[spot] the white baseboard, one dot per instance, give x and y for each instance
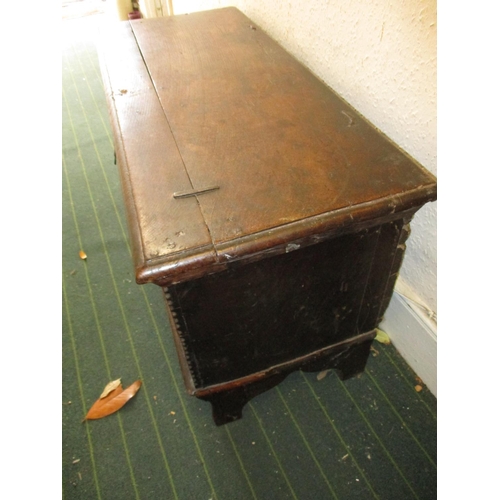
(415, 338)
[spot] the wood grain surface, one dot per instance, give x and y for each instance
(227, 107)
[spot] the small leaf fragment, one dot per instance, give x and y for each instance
(113, 401)
(82, 255)
(321, 375)
(75, 461)
(110, 387)
(382, 337)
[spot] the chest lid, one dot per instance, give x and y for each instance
(228, 145)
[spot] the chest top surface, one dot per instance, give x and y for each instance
(225, 140)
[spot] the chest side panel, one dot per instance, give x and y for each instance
(255, 316)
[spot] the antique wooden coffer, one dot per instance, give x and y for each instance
(271, 213)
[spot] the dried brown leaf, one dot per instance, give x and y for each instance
(322, 375)
(82, 255)
(110, 387)
(113, 401)
(101, 402)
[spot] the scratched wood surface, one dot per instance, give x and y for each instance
(233, 110)
(149, 161)
(250, 318)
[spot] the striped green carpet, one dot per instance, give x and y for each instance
(370, 437)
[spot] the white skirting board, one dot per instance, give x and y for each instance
(415, 338)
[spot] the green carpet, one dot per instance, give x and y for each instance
(369, 437)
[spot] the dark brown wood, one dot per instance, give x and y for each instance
(256, 315)
(227, 405)
(273, 214)
(151, 166)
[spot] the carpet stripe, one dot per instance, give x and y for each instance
(177, 389)
(106, 253)
(122, 310)
(80, 387)
(318, 465)
(240, 462)
(398, 415)
(96, 318)
(103, 170)
(407, 382)
(341, 439)
(273, 451)
(105, 123)
(149, 309)
(375, 435)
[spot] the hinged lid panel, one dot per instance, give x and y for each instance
(151, 167)
(249, 119)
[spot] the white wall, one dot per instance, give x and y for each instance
(380, 55)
